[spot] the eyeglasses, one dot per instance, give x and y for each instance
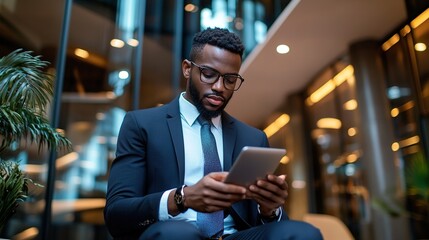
(209, 75)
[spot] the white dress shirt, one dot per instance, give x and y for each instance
(194, 160)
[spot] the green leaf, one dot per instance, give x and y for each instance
(417, 175)
(25, 90)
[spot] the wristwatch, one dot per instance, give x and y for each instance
(274, 216)
(179, 199)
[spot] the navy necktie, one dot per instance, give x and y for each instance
(210, 224)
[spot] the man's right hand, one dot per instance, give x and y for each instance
(211, 194)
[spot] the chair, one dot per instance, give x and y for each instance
(332, 228)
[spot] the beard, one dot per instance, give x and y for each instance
(198, 102)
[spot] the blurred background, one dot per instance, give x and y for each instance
(342, 85)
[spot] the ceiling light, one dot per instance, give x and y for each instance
(285, 159)
(420, 47)
(351, 132)
(394, 112)
(117, 43)
(395, 146)
(282, 49)
(81, 53)
(330, 85)
(350, 105)
(409, 141)
(406, 106)
(389, 43)
(405, 30)
(321, 92)
(420, 19)
(277, 125)
(133, 42)
(123, 74)
(342, 76)
(331, 123)
(351, 158)
(191, 7)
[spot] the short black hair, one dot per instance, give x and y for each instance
(218, 37)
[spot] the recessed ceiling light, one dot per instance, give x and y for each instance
(191, 8)
(283, 49)
(133, 42)
(420, 47)
(117, 43)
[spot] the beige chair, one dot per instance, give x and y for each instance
(331, 227)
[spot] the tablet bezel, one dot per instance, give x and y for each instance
(254, 163)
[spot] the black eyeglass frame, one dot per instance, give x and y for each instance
(236, 86)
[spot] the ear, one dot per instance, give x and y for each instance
(186, 68)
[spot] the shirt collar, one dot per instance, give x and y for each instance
(190, 113)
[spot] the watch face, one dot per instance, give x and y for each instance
(178, 198)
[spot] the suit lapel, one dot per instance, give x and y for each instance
(175, 126)
(229, 137)
(240, 210)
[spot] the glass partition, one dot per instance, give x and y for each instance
(407, 89)
(332, 109)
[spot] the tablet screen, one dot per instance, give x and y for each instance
(254, 163)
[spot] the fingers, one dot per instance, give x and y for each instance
(219, 186)
(218, 176)
(260, 194)
(270, 192)
(212, 194)
(213, 201)
(280, 181)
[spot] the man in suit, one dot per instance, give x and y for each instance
(157, 187)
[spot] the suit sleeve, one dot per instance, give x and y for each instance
(128, 209)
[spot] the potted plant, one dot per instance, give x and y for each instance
(25, 91)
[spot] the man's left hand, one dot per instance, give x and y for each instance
(270, 193)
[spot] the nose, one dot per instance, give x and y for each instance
(218, 85)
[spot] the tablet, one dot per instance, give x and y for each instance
(254, 163)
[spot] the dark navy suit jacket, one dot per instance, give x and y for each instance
(150, 159)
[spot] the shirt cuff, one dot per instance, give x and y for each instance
(163, 206)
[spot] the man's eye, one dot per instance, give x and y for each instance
(231, 79)
(209, 73)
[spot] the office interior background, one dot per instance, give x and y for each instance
(352, 112)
